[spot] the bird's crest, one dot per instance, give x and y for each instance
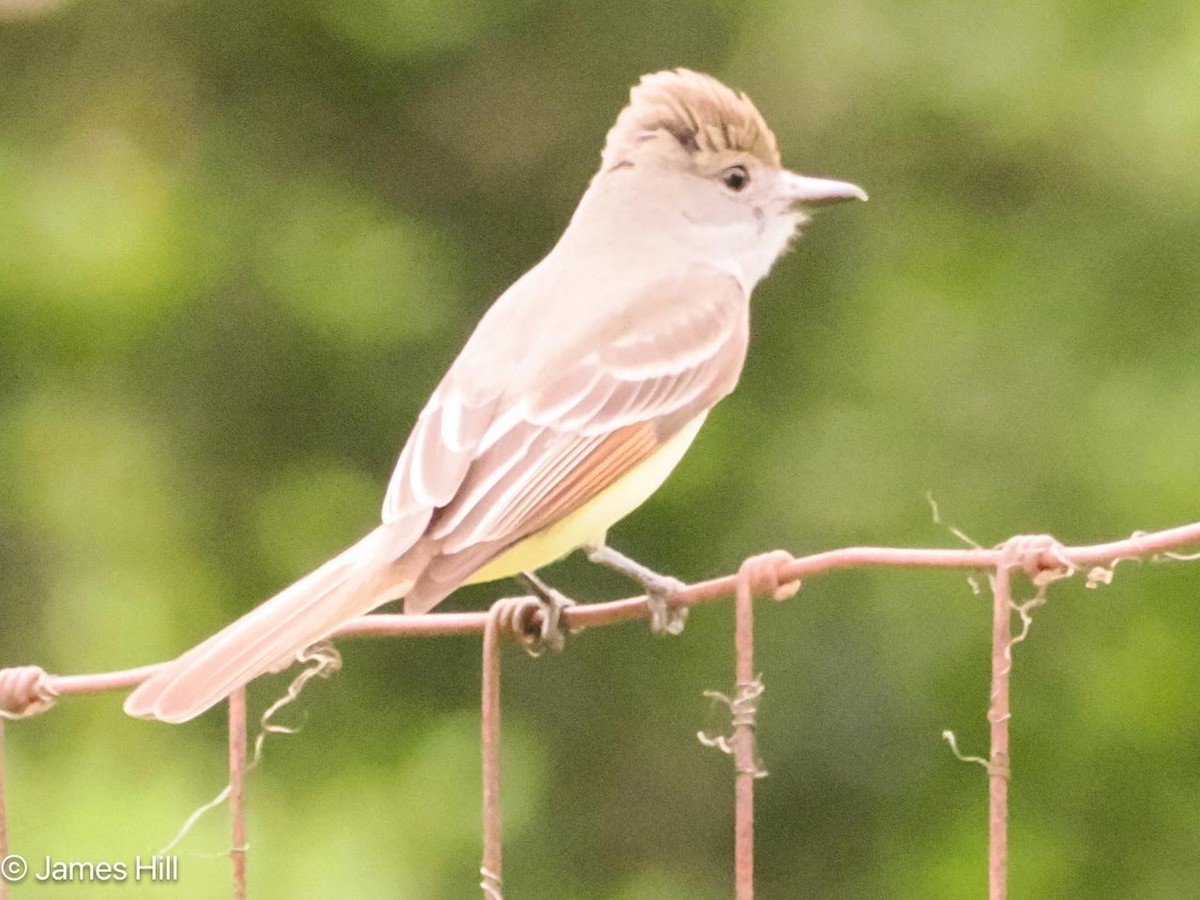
(702, 114)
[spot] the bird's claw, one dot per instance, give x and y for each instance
(553, 634)
(552, 602)
(666, 618)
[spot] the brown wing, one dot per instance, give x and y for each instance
(594, 416)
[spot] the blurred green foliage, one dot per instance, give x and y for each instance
(239, 242)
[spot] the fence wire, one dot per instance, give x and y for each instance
(29, 690)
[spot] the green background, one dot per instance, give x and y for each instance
(239, 242)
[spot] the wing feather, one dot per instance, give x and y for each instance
(605, 412)
(500, 462)
(438, 454)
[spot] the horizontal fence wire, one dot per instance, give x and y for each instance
(29, 690)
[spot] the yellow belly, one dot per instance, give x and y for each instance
(589, 523)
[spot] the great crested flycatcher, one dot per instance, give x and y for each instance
(578, 392)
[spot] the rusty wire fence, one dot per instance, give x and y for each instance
(1038, 560)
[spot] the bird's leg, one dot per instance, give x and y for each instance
(665, 618)
(553, 604)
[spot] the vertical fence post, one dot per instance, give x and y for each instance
(519, 617)
(491, 869)
(998, 715)
(3, 815)
(744, 751)
(237, 790)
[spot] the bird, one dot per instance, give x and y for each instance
(575, 396)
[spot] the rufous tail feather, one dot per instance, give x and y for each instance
(269, 637)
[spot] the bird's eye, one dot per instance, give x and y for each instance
(735, 177)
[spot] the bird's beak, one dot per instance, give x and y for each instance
(808, 191)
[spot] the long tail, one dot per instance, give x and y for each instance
(269, 636)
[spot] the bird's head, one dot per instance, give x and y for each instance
(703, 154)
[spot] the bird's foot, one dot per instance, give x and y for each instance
(666, 618)
(553, 634)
